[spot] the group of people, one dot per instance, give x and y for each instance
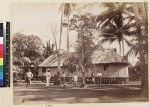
(97, 78)
(29, 75)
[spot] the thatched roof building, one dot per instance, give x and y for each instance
(106, 56)
(113, 67)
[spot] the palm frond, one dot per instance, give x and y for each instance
(110, 40)
(129, 26)
(108, 14)
(129, 9)
(128, 42)
(109, 5)
(67, 8)
(133, 50)
(129, 19)
(130, 33)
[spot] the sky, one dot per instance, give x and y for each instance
(38, 19)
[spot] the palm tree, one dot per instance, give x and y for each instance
(140, 35)
(60, 37)
(112, 23)
(81, 60)
(54, 32)
(141, 46)
(67, 10)
(48, 49)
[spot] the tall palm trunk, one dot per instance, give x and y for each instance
(120, 47)
(83, 76)
(60, 37)
(123, 47)
(83, 66)
(122, 36)
(68, 33)
(122, 32)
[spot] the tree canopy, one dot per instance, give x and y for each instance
(29, 46)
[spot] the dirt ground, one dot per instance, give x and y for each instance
(38, 93)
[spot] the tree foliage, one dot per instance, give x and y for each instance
(48, 49)
(138, 30)
(84, 24)
(117, 22)
(29, 46)
(135, 72)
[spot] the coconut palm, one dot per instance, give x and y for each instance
(81, 60)
(113, 16)
(141, 46)
(48, 49)
(116, 23)
(67, 10)
(60, 37)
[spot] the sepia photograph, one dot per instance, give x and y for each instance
(71, 53)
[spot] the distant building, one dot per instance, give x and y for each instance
(112, 66)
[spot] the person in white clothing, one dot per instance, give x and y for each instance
(28, 77)
(63, 79)
(48, 76)
(99, 78)
(75, 79)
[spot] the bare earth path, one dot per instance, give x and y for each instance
(93, 94)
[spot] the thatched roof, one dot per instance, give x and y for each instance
(99, 57)
(52, 61)
(106, 56)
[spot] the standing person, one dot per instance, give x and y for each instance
(20, 74)
(93, 78)
(99, 78)
(57, 78)
(48, 76)
(63, 79)
(75, 79)
(28, 76)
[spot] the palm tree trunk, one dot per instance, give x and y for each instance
(83, 67)
(123, 47)
(68, 33)
(83, 77)
(60, 37)
(120, 47)
(122, 36)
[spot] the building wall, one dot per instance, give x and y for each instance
(113, 71)
(54, 71)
